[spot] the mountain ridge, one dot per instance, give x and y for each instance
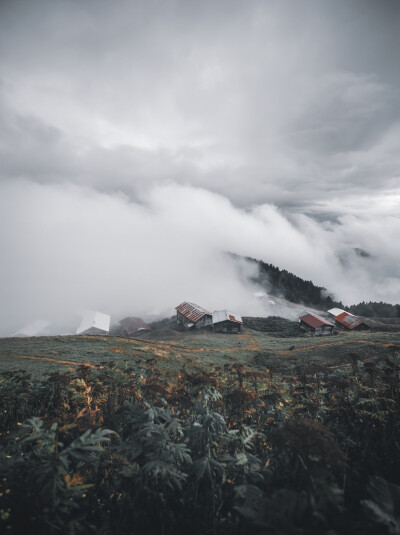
(279, 282)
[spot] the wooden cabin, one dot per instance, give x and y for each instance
(134, 326)
(316, 325)
(226, 322)
(192, 316)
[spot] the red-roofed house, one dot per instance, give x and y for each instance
(133, 326)
(316, 325)
(192, 316)
(348, 321)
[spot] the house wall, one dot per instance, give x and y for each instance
(323, 330)
(363, 327)
(327, 329)
(181, 319)
(134, 333)
(306, 327)
(227, 327)
(202, 322)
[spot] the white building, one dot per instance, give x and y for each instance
(94, 323)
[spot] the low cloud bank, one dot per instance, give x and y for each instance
(66, 248)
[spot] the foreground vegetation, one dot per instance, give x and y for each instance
(275, 446)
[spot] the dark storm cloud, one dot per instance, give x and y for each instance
(288, 95)
(269, 127)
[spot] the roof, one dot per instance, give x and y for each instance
(335, 311)
(91, 319)
(132, 325)
(348, 320)
(191, 311)
(226, 315)
(315, 321)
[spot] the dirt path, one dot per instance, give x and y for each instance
(48, 359)
(252, 345)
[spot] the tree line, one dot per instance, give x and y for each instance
(282, 283)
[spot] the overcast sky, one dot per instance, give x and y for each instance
(139, 140)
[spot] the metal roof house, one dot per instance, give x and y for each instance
(95, 323)
(192, 316)
(131, 326)
(350, 322)
(225, 321)
(316, 325)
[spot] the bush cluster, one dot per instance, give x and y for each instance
(233, 450)
(275, 325)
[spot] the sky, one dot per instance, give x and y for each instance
(141, 140)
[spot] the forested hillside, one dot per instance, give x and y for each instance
(282, 283)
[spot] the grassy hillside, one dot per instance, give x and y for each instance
(44, 355)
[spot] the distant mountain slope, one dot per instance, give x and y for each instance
(281, 283)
